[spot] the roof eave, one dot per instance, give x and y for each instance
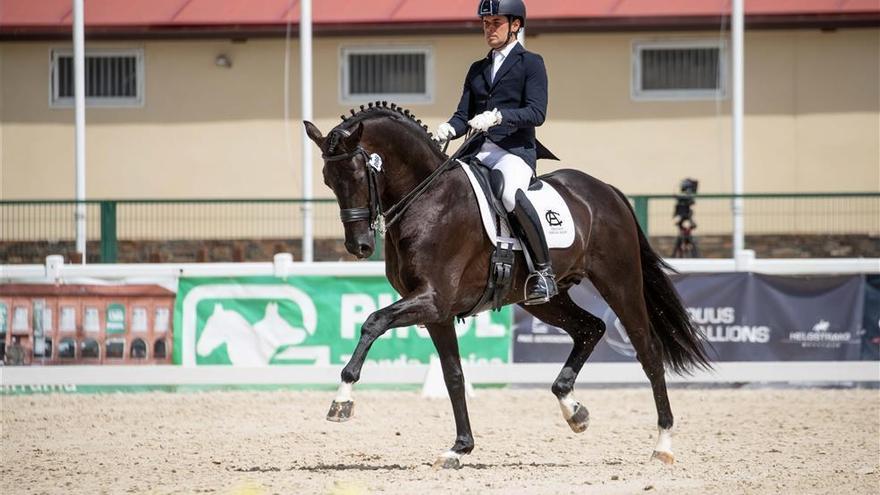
(535, 27)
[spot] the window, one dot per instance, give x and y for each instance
(92, 319)
(67, 321)
(20, 323)
(138, 349)
(403, 74)
(90, 349)
(160, 320)
(139, 319)
(43, 348)
(67, 348)
(114, 78)
(4, 310)
(685, 70)
(115, 348)
(159, 349)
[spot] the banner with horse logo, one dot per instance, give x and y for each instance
(259, 321)
(742, 316)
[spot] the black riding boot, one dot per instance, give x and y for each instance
(540, 284)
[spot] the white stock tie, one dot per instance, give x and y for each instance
(497, 60)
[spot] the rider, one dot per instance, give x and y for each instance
(505, 96)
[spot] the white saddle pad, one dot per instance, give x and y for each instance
(555, 215)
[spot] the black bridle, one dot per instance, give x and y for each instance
(373, 212)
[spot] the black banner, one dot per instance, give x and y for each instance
(743, 317)
(871, 320)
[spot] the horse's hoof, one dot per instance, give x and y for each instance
(580, 420)
(664, 457)
(340, 411)
(445, 462)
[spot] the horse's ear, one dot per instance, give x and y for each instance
(313, 133)
(355, 138)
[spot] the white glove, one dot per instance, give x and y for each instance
(445, 132)
(485, 120)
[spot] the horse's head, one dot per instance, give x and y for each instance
(347, 173)
(221, 327)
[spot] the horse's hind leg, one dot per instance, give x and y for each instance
(585, 330)
(446, 342)
(623, 292)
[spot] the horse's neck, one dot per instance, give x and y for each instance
(405, 172)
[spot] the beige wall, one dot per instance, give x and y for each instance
(813, 117)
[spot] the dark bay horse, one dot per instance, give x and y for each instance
(437, 258)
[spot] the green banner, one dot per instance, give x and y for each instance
(4, 312)
(255, 321)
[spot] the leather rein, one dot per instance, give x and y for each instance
(379, 220)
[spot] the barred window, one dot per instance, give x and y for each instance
(692, 70)
(113, 78)
(402, 74)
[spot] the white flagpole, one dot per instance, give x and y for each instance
(305, 43)
(79, 98)
(738, 114)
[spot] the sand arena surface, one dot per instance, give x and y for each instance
(726, 441)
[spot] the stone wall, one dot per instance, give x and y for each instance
(782, 246)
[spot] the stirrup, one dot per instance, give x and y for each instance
(543, 289)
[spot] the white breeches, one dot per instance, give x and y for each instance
(517, 173)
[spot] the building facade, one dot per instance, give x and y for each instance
(179, 114)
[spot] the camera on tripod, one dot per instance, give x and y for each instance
(683, 203)
(685, 243)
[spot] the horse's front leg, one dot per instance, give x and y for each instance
(446, 342)
(417, 307)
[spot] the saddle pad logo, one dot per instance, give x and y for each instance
(553, 219)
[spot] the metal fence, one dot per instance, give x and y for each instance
(119, 230)
(785, 214)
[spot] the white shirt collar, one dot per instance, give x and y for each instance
(504, 52)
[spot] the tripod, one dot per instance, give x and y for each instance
(685, 243)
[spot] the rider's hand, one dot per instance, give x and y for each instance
(485, 120)
(445, 132)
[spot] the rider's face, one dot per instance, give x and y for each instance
(496, 29)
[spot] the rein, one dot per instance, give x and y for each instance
(373, 213)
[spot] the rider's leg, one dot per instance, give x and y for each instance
(541, 284)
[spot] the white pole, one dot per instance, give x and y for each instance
(305, 48)
(738, 92)
(79, 98)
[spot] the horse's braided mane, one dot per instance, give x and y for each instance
(385, 109)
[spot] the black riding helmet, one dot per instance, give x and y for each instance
(513, 9)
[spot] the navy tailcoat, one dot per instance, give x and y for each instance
(519, 92)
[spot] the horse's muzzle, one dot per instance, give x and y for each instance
(361, 249)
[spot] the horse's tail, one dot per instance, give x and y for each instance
(671, 326)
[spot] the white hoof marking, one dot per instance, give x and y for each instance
(568, 404)
(343, 394)
(664, 441)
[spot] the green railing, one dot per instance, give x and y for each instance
(233, 230)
